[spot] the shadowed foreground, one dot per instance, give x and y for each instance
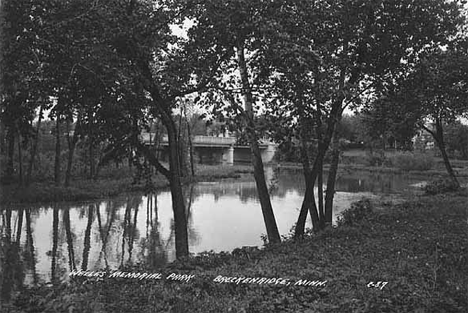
(419, 247)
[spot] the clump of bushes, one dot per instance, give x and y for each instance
(441, 186)
(375, 158)
(356, 213)
(408, 161)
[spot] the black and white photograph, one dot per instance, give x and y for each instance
(234, 156)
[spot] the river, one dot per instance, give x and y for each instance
(137, 228)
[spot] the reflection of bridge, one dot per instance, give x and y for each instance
(211, 149)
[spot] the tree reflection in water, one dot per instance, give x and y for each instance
(152, 247)
(55, 225)
(130, 231)
(16, 260)
(69, 234)
(87, 239)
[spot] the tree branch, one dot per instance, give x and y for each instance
(428, 130)
(152, 159)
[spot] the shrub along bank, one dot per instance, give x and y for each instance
(411, 257)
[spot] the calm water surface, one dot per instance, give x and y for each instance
(43, 243)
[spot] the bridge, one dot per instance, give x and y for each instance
(217, 150)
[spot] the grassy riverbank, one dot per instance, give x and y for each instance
(111, 182)
(395, 162)
(419, 247)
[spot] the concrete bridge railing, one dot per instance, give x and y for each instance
(223, 149)
(149, 138)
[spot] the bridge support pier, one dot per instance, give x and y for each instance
(228, 156)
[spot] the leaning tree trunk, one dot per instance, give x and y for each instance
(259, 174)
(441, 143)
(308, 203)
(311, 178)
(334, 117)
(438, 136)
(173, 174)
(163, 109)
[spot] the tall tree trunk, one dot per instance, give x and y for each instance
(259, 174)
(190, 143)
(192, 165)
(57, 152)
(331, 181)
(181, 147)
(34, 148)
(178, 206)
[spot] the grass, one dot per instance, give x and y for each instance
(419, 247)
